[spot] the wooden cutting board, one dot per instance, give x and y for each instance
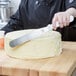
(62, 65)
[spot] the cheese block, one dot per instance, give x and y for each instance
(47, 45)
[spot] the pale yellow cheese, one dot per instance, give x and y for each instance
(47, 45)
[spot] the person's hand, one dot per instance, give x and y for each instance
(63, 18)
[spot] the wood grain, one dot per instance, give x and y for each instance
(62, 65)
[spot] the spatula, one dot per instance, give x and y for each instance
(34, 34)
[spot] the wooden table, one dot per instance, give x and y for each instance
(63, 65)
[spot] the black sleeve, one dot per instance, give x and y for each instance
(70, 3)
(15, 22)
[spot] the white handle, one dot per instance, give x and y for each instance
(71, 18)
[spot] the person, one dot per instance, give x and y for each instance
(33, 14)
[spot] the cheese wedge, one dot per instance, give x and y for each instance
(47, 45)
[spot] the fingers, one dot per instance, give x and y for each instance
(62, 18)
(66, 20)
(55, 19)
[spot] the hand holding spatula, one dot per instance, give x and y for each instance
(34, 34)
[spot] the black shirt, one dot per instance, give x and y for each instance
(36, 13)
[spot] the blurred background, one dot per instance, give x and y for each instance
(7, 8)
(14, 5)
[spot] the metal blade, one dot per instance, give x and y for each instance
(27, 37)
